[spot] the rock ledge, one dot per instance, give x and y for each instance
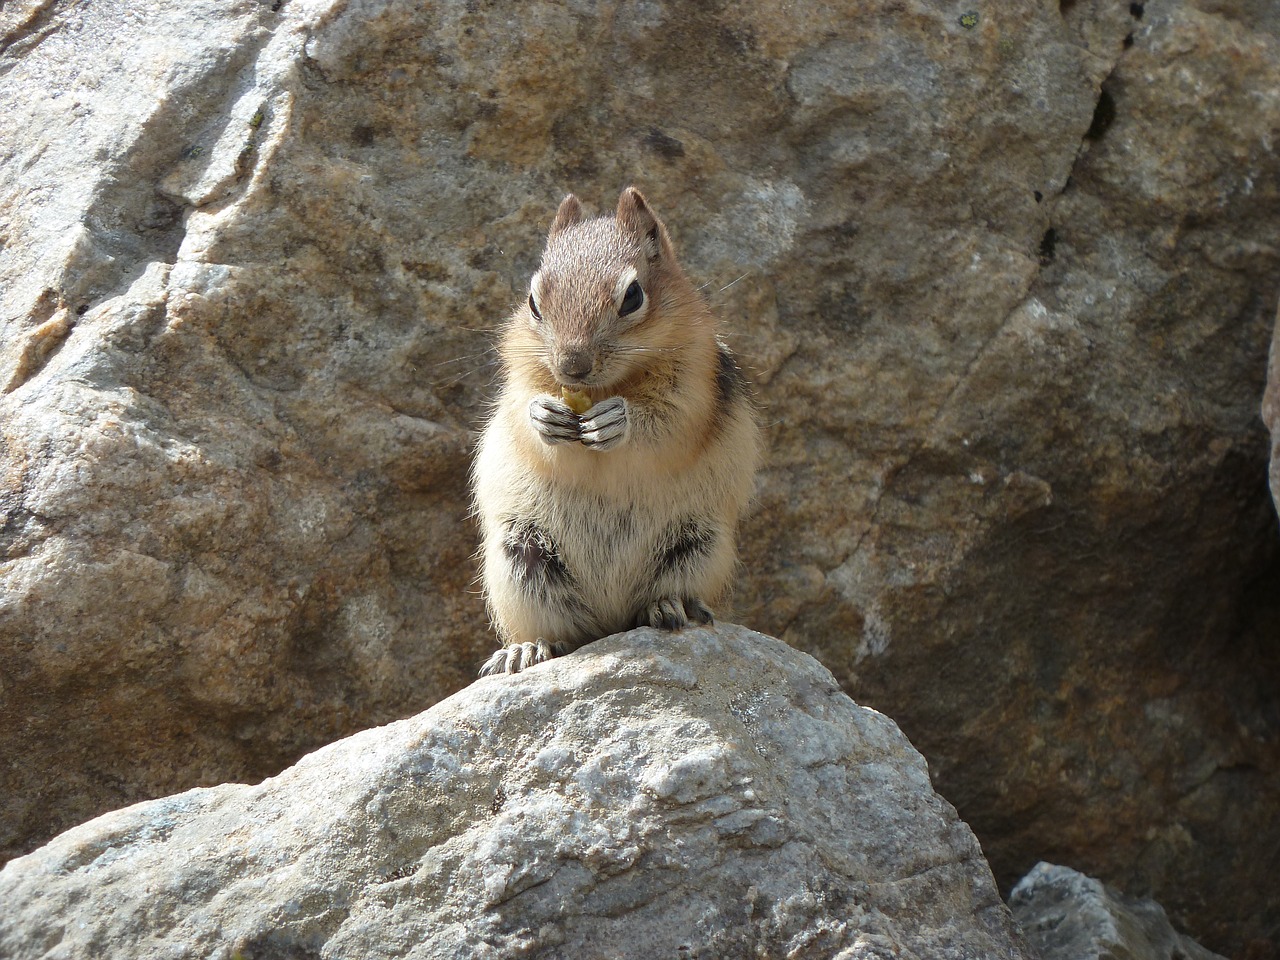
(711, 793)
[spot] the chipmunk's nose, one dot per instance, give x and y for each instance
(574, 365)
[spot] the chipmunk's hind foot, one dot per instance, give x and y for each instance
(698, 612)
(675, 613)
(521, 656)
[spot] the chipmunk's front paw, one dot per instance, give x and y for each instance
(606, 424)
(675, 613)
(520, 656)
(553, 420)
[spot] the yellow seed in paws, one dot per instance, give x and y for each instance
(579, 401)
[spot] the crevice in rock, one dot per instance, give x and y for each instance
(131, 221)
(25, 36)
(1104, 115)
(403, 871)
(1048, 247)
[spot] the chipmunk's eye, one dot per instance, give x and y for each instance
(632, 300)
(533, 308)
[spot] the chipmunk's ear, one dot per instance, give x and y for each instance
(570, 212)
(635, 218)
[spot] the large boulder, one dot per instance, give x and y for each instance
(1004, 278)
(239, 390)
(708, 794)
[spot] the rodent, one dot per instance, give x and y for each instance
(625, 515)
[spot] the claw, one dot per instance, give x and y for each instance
(521, 656)
(674, 613)
(665, 614)
(553, 421)
(698, 612)
(606, 425)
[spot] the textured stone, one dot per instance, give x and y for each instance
(234, 454)
(1271, 412)
(1068, 916)
(1005, 288)
(1073, 552)
(711, 794)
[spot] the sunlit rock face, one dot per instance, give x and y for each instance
(1004, 279)
(711, 794)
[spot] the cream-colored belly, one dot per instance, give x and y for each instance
(608, 519)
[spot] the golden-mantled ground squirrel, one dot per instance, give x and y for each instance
(624, 515)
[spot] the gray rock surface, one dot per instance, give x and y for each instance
(1068, 916)
(1005, 285)
(709, 794)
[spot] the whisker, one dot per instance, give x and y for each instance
(470, 356)
(637, 350)
(640, 348)
(455, 380)
(703, 286)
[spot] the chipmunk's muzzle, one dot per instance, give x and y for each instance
(574, 366)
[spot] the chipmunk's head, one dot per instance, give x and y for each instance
(603, 291)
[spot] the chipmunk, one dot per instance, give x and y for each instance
(626, 514)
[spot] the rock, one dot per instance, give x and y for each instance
(1271, 412)
(1005, 284)
(1068, 916)
(235, 425)
(1021, 416)
(707, 794)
